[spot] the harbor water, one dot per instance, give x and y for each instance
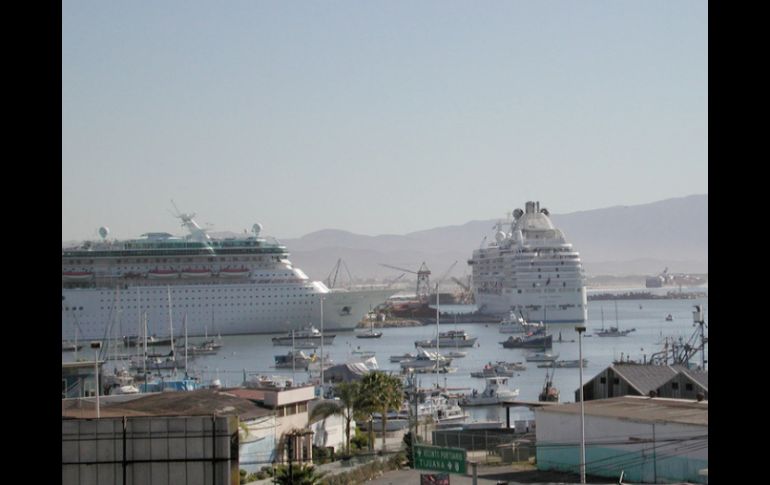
(254, 354)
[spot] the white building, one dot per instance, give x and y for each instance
(648, 439)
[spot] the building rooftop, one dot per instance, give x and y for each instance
(203, 402)
(640, 408)
(646, 378)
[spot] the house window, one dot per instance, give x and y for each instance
(675, 386)
(688, 387)
(603, 380)
(616, 381)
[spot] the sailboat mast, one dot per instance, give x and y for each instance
(438, 338)
(144, 339)
(185, 343)
(170, 324)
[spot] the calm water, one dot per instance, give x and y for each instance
(254, 353)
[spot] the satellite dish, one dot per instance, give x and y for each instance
(499, 236)
(103, 232)
(518, 213)
(545, 211)
(257, 228)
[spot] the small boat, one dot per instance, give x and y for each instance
(300, 360)
(532, 341)
(669, 318)
(234, 272)
(399, 358)
(566, 364)
(549, 393)
(613, 331)
(77, 275)
(396, 421)
(201, 349)
(309, 334)
(363, 354)
(541, 357)
(499, 369)
(196, 273)
(133, 341)
(452, 338)
(517, 324)
(495, 392)
(371, 333)
(455, 354)
(162, 274)
(426, 360)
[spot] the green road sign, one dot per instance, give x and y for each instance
(450, 460)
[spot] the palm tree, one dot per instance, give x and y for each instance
(347, 392)
(381, 392)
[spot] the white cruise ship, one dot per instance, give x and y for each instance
(243, 285)
(531, 270)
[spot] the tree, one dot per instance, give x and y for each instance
(348, 394)
(381, 392)
(300, 475)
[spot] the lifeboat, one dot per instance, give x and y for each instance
(162, 274)
(196, 273)
(77, 275)
(234, 272)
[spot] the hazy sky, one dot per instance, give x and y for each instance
(377, 117)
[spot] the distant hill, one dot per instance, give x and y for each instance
(621, 240)
(640, 239)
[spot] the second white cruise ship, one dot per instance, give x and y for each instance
(530, 269)
(242, 285)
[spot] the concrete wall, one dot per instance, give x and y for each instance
(158, 451)
(257, 449)
(615, 445)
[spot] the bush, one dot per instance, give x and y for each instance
(360, 441)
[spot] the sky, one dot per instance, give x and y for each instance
(376, 117)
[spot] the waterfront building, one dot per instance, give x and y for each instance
(651, 440)
(673, 381)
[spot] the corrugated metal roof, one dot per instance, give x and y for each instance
(645, 378)
(192, 403)
(697, 375)
(639, 408)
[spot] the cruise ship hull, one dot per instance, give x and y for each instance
(546, 308)
(232, 309)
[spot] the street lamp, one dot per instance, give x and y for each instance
(96, 345)
(580, 330)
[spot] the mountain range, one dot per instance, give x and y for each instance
(619, 240)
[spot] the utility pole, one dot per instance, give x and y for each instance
(580, 330)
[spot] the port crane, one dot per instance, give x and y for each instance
(423, 280)
(331, 282)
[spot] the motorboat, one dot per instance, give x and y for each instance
(614, 332)
(293, 359)
(399, 358)
(495, 392)
(452, 338)
(499, 369)
(426, 360)
(669, 318)
(541, 357)
(564, 364)
(516, 324)
(531, 341)
(309, 334)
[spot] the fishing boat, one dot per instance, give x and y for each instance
(495, 392)
(309, 334)
(529, 342)
(669, 318)
(549, 392)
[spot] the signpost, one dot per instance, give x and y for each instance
(447, 460)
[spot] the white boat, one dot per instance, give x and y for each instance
(532, 269)
(399, 358)
(516, 324)
(251, 275)
(425, 359)
(567, 364)
(495, 392)
(541, 357)
(309, 334)
(499, 369)
(456, 354)
(452, 338)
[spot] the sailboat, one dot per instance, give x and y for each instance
(614, 331)
(372, 333)
(456, 353)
